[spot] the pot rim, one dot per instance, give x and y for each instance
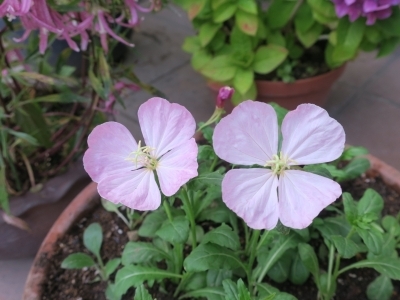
(89, 197)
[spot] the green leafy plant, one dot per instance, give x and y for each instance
(238, 41)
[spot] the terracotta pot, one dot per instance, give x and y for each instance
(89, 198)
(39, 210)
(289, 95)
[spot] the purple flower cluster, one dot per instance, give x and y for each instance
(371, 9)
(89, 19)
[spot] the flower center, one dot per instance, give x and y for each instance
(143, 156)
(279, 163)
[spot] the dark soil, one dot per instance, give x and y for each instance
(76, 284)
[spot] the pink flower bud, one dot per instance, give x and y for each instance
(225, 93)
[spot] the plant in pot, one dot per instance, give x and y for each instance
(252, 208)
(289, 52)
(47, 107)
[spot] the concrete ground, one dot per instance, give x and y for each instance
(366, 101)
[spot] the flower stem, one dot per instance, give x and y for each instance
(214, 163)
(330, 268)
(253, 251)
(167, 210)
(187, 207)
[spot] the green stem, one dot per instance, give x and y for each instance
(263, 238)
(214, 163)
(246, 238)
(187, 206)
(167, 210)
(330, 267)
(185, 277)
(253, 252)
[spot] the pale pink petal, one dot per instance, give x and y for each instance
(109, 147)
(252, 195)
(136, 189)
(249, 135)
(310, 136)
(177, 167)
(303, 195)
(165, 125)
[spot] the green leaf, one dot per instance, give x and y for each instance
(372, 238)
(133, 276)
(32, 122)
(219, 69)
(152, 223)
(215, 277)
(196, 281)
(211, 257)
(279, 272)
(142, 252)
(387, 46)
(210, 178)
(391, 25)
(195, 7)
(319, 170)
(251, 94)
(346, 247)
(352, 152)
(355, 168)
(350, 208)
(266, 290)
(276, 38)
(381, 288)
(221, 214)
(279, 13)
(310, 260)
(391, 225)
(268, 58)
(191, 44)
(299, 273)
(280, 112)
(371, 203)
(207, 32)
(96, 84)
(200, 59)
(323, 7)
(349, 37)
(4, 201)
(223, 236)
(303, 19)
(249, 6)
(385, 265)
(284, 243)
(240, 41)
(243, 80)
(247, 22)
(93, 238)
(310, 37)
(244, 293)
(230, 288)
(175, 232)
(211, 293)
(224, 12)
(111, 266)
(142, 294)
(77, 261)
(332, 226)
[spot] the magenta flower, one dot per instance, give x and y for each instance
(124, 169)
(224, 94)
(249, 136)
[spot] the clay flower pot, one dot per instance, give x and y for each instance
(89, 198)
(39, 210)
(289, 95)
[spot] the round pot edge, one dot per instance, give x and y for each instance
(37, 273)
(83, 202)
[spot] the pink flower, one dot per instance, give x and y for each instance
(249, 136)
(225, 94)
(124, 169)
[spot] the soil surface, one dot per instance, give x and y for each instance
(77, 284)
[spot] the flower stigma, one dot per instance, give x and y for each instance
(279, 163)
(143, 156)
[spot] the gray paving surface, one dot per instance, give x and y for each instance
(366, 101)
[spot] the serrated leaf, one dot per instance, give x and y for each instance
(175, 232)
(223, 236)
(243, 80)
(247, 22)
(346, 247)
(142, 294)
(211, 257)
(111, 266)
(230, 288)
(384, 265)
(152, 223)
(381, 288)
(268, 58)
(370, 203)
(141, 252)
(77, 261)
(93, 238)
(133, 276)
